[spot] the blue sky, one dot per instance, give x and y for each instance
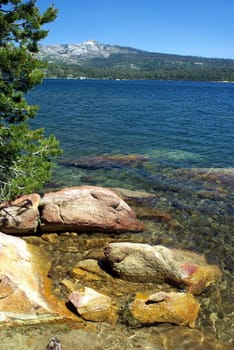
(186, 27)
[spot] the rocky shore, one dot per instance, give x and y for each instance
(80, 265)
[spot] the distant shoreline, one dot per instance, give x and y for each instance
(117, 79)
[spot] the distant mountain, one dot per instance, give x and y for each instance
(93, 59)
(77, 53)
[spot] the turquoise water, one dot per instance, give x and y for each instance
(172, 139)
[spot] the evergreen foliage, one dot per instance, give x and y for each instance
(26, 154)
(207, 73)
(143, 65)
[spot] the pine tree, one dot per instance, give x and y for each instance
(26, 155)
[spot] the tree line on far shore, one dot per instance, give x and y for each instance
(200, 73)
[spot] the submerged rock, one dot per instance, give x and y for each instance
(110, 337)
(20, 216)
(153, 214)
(179, 308)
(107, 161)
(89, 270)
(94, 306)
(144, 263)
(134, 196)
(86, 208)
(214, 175)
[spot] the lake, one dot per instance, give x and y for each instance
(177, 123)
(173, 139)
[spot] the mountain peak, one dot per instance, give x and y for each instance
(91, 42)
(75, 53)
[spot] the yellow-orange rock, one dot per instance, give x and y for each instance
(25, 290)
(178, 308)
(94, 306)
(89, 270)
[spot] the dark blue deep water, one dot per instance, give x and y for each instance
(179, 123)
(172, 139)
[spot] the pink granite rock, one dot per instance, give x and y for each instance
(144, 263)
(86, 208)
(20, 216)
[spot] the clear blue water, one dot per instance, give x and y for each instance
(177, 123)
(185, 132)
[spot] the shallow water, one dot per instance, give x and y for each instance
(185, 133)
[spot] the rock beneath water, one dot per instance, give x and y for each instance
(86, 208)
(89, 270)
(94, 306)
(111, 337)
(178, 308)
(215, 175)
(153, 214)
(107, 161)
(20, 216)
(144, 263)
(134, 196)
(25, 291)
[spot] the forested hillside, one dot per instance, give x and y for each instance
(94, 60)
